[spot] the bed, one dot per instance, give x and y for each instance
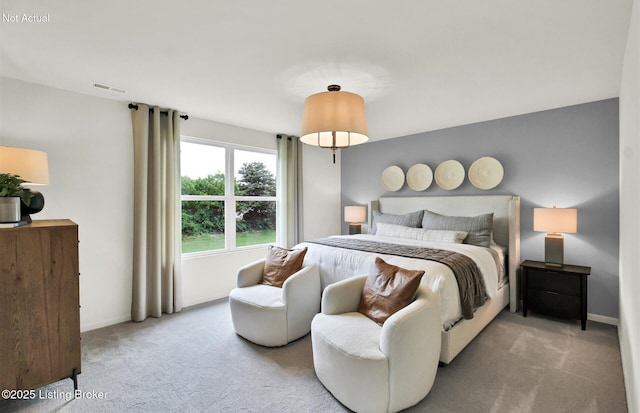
(336, 263)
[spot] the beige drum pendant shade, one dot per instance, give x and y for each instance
(334, 119)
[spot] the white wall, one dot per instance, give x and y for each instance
(321, 192)
(629, 327)
(89, 143)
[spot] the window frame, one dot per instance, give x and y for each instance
(229, 198)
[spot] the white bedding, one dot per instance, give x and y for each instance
(336, 264)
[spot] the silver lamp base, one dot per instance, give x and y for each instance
(554, 250)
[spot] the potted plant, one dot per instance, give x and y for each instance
(11, 192)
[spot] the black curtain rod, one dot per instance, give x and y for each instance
(163, 112)
(280, 136)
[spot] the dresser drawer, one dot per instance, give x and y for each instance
(553, 281)
(554, 304)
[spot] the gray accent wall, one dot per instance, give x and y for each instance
(566, 157)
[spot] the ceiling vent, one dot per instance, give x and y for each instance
(109, 88)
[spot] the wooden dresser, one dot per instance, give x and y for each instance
(39, 304)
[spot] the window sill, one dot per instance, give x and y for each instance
(212, 253)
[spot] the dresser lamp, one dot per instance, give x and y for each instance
(31, 166)
(354, 215)
(555, 221)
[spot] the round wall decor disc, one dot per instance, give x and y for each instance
(486, 173)
(449, 174)
(392, 178)
(419, 177)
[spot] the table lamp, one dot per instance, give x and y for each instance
(555, 221)
(33, 167)
(354, 215)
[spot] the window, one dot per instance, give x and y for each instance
(228, 196)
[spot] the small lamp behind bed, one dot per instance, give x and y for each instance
(555, 221)
(354, 215)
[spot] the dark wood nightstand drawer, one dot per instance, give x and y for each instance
(550, 303)
(553, 281)
(556, 291)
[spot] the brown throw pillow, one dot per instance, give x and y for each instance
(281, 263)
(390, 289)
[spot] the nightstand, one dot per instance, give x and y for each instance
(555, 291)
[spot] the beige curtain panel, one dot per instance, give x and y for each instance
(289, 189)
(157, 277)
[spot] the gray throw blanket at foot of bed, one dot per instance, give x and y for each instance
(473, 293)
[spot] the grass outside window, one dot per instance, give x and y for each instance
(208, 242)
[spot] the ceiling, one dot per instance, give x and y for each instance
(419, 64)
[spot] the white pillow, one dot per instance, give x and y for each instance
(391, 230)
(400, 231)
(441, 235)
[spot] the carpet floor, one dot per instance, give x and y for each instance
(194, 362)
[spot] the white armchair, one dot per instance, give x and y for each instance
(272, 316)
(372, 368)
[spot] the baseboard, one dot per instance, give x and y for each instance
(106, 323)
(602, 319)
(630, 371)
(201, 300)
(125, 318)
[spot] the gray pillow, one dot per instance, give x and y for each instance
(479, 228)
(412, 219)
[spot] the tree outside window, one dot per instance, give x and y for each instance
(206, 193)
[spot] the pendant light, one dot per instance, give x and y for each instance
(334, 120)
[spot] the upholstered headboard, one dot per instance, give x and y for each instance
(506, 220)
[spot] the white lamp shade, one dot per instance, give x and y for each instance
(558, 220)
(334, 111)
(29, 164)
(355, 214)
